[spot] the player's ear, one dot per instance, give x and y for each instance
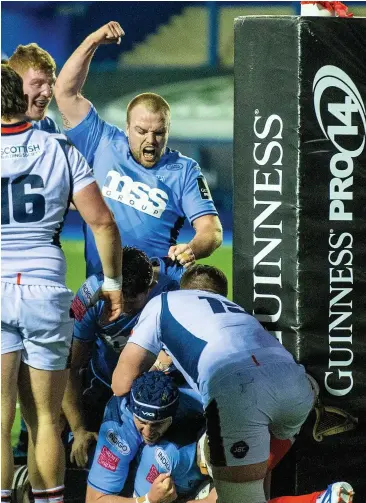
(153, 283)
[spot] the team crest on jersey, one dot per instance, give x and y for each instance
(163, 459)
(138, 195)
(174, 167)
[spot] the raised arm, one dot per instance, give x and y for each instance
(72, 105)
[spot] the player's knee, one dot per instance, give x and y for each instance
(229, 492)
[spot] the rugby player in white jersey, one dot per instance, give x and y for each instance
(38, 71)
(41, 174)
(250, 385)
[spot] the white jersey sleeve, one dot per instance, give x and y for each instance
(80, 171)
(146, 333)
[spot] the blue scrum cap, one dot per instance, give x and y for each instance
(154, 396)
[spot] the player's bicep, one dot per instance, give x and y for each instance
(113, 455)
(197, 199)
(73, 109)
(92, 207)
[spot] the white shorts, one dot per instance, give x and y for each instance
(249, 403)
(35, 320)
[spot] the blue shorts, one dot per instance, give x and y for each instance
(35, 320)
(249, 403)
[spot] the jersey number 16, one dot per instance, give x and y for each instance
(26, 207)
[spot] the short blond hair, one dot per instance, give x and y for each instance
(153, 102)
(31, 56)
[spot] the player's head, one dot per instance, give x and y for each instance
(137, 272)
(38, 71)
(154, 399)
(13, 102)
(204, 277)
(148, 122)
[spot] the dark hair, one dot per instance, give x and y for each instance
(13, 101)
(204, 277)
(137, 272)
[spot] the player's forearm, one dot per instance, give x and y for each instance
(109, 246)
(71, 403)
(74, 72)
(93, 496)
(205, 242)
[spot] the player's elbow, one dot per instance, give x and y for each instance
(119, 387)
(93, 496)
(217, 235)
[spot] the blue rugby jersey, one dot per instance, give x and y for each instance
(117, 446)
(119, 442)
(168, 457)
(110, 339)
(149, 204)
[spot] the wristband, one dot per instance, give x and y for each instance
(143, 499)
(110, 284)
(161, 366)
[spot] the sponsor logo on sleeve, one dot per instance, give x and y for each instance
(108, 460)
(163, 459)
(203, 188)
(115, 440)
(153, 474)
(78, 309)
(239, 449)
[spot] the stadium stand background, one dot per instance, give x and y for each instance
(182, 50)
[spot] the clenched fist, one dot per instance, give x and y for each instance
(183, 254)
(162, 489)
(110, 33)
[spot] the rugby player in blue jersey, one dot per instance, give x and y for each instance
(145, 415)
(150, 188)
(96, 345)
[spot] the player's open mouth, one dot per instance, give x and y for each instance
(148, 153)
(41, 105)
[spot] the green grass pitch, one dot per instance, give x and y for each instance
(74, 252)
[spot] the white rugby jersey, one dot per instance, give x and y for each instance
(40, 172)
(204, 333)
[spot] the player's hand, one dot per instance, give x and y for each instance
(183, 254)
(113, 305)
(110, 33)
(79, 451)
(162, 489)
